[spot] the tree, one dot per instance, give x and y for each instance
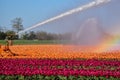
(2, 35)
(25, 36)
(1, 30)
(17, 24)
(41, 35)
(32, 35)
(11, 35)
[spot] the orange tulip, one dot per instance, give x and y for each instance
(59, 51)
(0, 49)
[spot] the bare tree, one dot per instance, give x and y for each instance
(17, 24)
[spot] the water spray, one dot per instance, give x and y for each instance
(79, 9)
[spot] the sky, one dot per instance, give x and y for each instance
(35, 11)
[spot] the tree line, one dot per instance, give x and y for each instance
(32, 35)
(39, 35)
(42, 35)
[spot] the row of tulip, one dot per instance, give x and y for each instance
(64, 72)
(57, 62)
(60, 51)
(90, 67)
(63, 62)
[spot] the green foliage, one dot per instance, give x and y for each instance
(2, 77)
(62, 77)
(72, 78)
(47, 78)
(2, 35)
(81, 77)
(20, 42)
(40, 77)
(112, 78)
(21, 77)
(9, 34)
(59, 77)
(95, 78)
(9, 78)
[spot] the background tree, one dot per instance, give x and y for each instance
(2, 35)
(17, 24)
(41, 35)
(25, 36)
(1, 29)
(11, 34)
(32, 35)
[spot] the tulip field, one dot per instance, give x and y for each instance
(59, 62)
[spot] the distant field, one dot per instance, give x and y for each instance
(20, 42)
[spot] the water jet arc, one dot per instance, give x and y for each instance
(79, 9)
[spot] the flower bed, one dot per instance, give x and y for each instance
(59, 62)
(62, 67)
(60, 51)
